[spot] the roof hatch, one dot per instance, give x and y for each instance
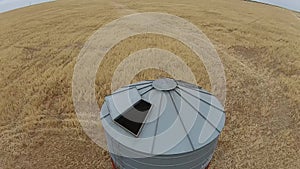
(133, 119)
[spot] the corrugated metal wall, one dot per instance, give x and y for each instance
(198, 159)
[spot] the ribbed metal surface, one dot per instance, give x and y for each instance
(189, 117)
(197, 159)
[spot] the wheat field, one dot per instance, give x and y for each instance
(259, 46)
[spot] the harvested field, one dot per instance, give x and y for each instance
(258, 45)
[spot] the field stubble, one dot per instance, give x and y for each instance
(258, 45)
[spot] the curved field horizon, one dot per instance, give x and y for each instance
(257, 44)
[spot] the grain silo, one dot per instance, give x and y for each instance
(165, 123)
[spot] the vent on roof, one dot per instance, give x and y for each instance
(133, 119)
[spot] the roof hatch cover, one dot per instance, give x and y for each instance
(133, 119)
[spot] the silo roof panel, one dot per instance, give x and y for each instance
(185, 113)
(170, 127)
(203, 96)
(104, 111)
(152, 119)
(121, 101)
(188, 85)
(145, 90)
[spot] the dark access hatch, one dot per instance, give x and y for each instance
(133, 119)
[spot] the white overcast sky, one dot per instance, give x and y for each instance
(290, 4)
(6, 5)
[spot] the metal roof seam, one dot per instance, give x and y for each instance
(105, 116)
(156, 125)
(104, 103)
(200, 90)
(147, 91)
(202, 100)
(148, 82)
(121, 91)
(198, 112)
(187, 134)
(107, 104)
(129, 87)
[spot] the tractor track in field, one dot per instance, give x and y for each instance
(41, 124)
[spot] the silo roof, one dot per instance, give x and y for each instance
(177, 113)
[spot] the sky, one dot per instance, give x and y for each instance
(7, 5)
(289, 4)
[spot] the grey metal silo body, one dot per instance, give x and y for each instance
(179, 128)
